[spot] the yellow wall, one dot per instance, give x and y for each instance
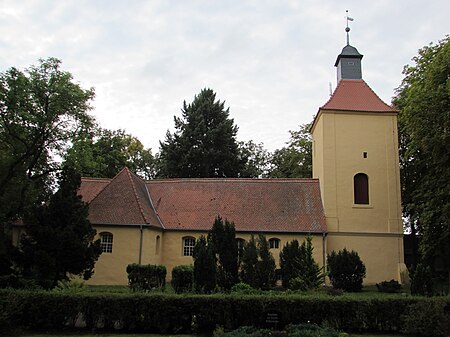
(111, 267)
(339, 140)
(382, 254)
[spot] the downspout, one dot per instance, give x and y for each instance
(140, 244)
(324, 235)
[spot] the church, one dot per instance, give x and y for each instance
(352, 200)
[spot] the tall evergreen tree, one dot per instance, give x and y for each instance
(59, 238)
(204, 266)
(265, 268)
(249, 262)
(204, 143)
(223, 239)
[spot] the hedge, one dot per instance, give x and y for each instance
(167, 313)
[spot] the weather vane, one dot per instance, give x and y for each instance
(348, 28)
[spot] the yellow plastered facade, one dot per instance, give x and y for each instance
(346, 143)
(110, 269)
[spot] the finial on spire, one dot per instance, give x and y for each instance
(348, 28)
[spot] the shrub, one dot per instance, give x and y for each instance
(183, 278)
(17, 282)
(243, 288)
(391, 286)
(70, 286)
(421, 280)
(146, 277)
(346, 270)
(298, 284)
(427, 318)
(297, 262)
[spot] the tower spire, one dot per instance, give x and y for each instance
(348, 28)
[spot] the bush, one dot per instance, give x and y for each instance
(391, 286)
(183, 278)
(17, 282)
(162, 313)
(146, 277)
(243, 288)
(297, 262)
(346, 270)
(428, 318)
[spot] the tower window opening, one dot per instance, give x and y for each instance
(364, 154)
(361, 189)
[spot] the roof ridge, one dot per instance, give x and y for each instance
(368, 86)
(109, 183)
(141, 209)
(224, 180)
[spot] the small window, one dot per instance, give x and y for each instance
(274, 243)
(157, 244)
(361, 189)
(364, 154)
(106, 242)
(188, 246)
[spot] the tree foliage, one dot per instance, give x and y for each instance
(41, 111)
(256, 158)
(297, 263)
(223, 240)
(258, 265)
(424, 123)
(102, 153)
(204, 142)
(295, 159)
(346, 270)
(204, 266)
(59, 238)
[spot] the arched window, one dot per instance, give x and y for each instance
(274, 243)
(157, 243)
(361, 188)
(106, 242)
(188, 246)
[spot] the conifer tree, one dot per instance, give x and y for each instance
(223, 239)
(249, 262)
(265, 268)
(204, 143)
(204, 266)
(59, 238)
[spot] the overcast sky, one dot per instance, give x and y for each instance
(271, 61)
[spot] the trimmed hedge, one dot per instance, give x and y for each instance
(183, 278)
(177, 313)
(146, 277)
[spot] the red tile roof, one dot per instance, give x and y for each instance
(289, 205)
(279, 205)
(123, 200)
(356, 95)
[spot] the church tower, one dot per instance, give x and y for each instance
(355, 158)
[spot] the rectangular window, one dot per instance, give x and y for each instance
(106, 242)
(188, 246)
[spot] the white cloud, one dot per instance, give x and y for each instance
(271, 61)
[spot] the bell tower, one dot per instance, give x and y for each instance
(355, 158)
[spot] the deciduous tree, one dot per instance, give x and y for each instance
(423, 99)
(295, 159)
(103, 153)
(42, 109)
